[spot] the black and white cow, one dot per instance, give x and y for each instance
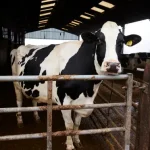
(98, 53)
(135, 60)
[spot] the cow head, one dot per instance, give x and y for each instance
(109, 41)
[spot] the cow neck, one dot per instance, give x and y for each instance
(96, 63)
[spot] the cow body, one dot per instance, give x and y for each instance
(97, 54)
(61, 60)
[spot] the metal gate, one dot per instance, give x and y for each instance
(127, 125)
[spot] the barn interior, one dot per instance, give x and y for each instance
(20, 17)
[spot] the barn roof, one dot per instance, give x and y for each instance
(74, 16)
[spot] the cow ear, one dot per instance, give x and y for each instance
(132, 39)
(89, 37)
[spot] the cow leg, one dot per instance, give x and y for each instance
(19, 99)
(68, 122)
(69, 126)
(77, 121)
(36, 115)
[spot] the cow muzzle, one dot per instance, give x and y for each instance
(113, 67)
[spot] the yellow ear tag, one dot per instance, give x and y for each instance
(129, 43)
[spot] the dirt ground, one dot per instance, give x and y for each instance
(8, 124)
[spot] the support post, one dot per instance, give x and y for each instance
(143, 119)
(49, 116)
(9, 40)
(128, 111)
(15, 40)
(18, 38)
(22, 38)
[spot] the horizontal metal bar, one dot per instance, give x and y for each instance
(63, 77)
(83, 132)
(88, 106)
(23, 136)
(60, 133)
(60, 107)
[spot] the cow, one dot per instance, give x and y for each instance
(98, 53)
(134, 60)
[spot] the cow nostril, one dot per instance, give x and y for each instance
(107, 64)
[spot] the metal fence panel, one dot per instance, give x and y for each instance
(49, 107)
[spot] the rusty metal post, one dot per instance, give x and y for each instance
(49, 116)
(143, 117)
(18, 38)
(22, 38)
(128, 111)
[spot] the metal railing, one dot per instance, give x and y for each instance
(128, 104)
